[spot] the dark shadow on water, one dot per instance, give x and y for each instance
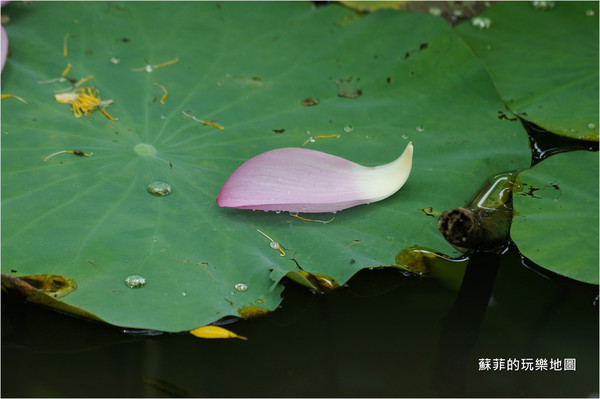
(384, 335)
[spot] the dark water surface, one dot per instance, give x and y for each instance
(384, 335)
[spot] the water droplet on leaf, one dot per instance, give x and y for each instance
(241, 287)
(482, 23)
(145, 150)
(135, 281)
(159, 188)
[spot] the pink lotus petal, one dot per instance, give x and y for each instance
(4, 47)
(303, 180)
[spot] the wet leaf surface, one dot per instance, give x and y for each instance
(544, 61)
(93, 219)
(556, 215)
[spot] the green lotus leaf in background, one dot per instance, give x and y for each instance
(248, 67)
(556, 214)
(544, 62)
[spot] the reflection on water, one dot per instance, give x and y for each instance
(379, 336)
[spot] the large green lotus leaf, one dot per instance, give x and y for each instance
(247, 66)
(556, 221)
(544, 62)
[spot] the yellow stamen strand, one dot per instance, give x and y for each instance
(213, 124)
(164, 96)
(65, 49)
(274, 244)
(331, 136)
(312, 220)
(5, 96)
(150, 68)
(167, 63)
(66, 71)
(312, 139)
(79, 153)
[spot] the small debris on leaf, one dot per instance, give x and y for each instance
(309, 102)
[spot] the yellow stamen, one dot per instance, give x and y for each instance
(66, 71)
(5, 96)
(164, 64)
(65, 50)
(274, 244)
(312, 139)
(82, 81)
(150, 68)
(85, 101)
(312, 220)
(331, 136)
(80, 153)
(164, 96)
(280, 249)
(213, 124)
(107, 115)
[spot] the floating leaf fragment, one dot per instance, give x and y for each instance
(303, 180)
(213, 332)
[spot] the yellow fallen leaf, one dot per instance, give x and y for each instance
(215, 332)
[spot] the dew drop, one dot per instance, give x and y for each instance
(591, 125)
(184, 293)
(145, 150)
(278, 212)
(348, 128)
(293, 213)
(590, 13)
(159, 188)
(135, 281)
(482, 23)
(435, 11)
(420, 129)
(115, 60)
(241, 287)
(542, 5)
(148, 68)
(274, 245)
